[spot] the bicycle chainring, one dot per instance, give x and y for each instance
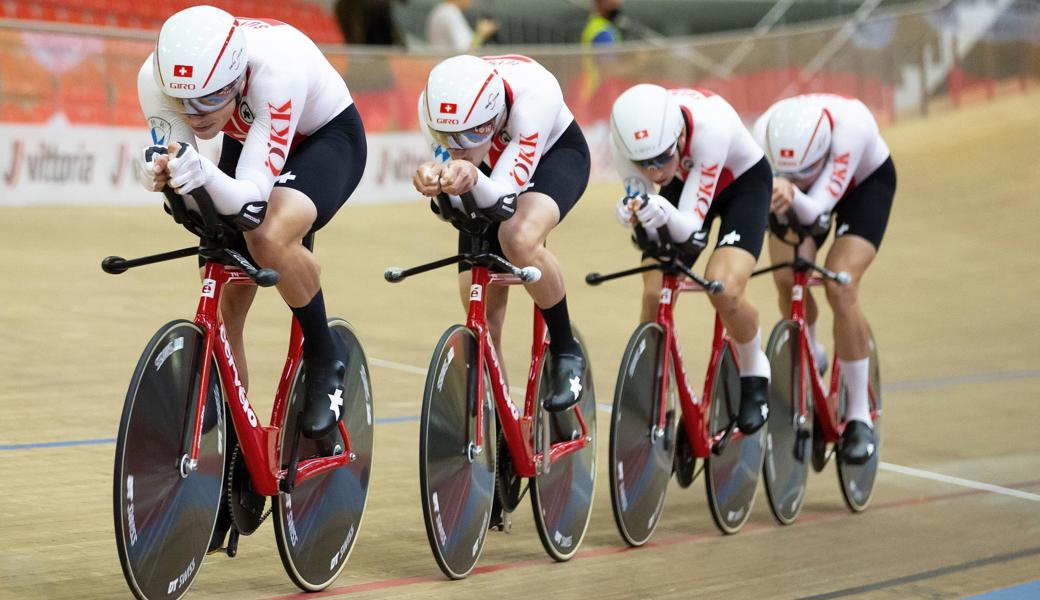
(245, 504)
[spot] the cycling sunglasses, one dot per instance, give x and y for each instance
(212, 102)
(660, 160)
(464, 140)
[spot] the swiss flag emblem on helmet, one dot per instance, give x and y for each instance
(448, 108)
(182, 70)
(786, 153)
(641, 134)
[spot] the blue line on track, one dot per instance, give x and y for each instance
(1026, 591)
(899, 386)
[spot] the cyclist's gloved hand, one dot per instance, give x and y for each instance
(655, 212)
(623, 211)
(821, 226)
(151, 168)
(427, 179)
(187, 171)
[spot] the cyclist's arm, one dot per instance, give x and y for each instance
(532, 124)
(277, 107)
(165, 123)
(709, 150)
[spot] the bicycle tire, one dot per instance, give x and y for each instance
(640, 462)
(163, 520)
(562, 498)
(317, 525)
(457, 486)
(731, 480)
(788, 439)
(857, 481)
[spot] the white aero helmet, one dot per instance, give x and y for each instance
(200, 51)
(645, 122)
(464, 96)
(798, 134)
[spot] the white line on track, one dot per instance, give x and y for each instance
(910, 471)
(968, 483)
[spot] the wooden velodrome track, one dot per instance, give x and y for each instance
(952, 299)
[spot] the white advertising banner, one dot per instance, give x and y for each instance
(58, 163)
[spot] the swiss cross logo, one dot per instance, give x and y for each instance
(182, 70)
(448, 108)
(641, 134)
(786, 153)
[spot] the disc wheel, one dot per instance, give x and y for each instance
(641, 455)
(732, 474)
(317, 525)
(562, 498)
(788, 439)
(164, 514)
(456, 479)
(857, 481)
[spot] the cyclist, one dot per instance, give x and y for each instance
(693, 145)
(504, 134)
(828, 155)
(293, 151)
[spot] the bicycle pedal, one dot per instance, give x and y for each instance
(720, 446)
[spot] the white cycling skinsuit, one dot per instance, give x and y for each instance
(718, 150)
(856, 151)
(290, 91)
(537, 117)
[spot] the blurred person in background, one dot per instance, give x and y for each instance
(828, 155)
(686, 159)
(448, 30)
(500, 130)
(294, 150)
(367, 22)
(600, 29)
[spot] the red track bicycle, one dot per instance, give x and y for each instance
(797, 393)
(175, 454)
(467, 471)
(649, 438)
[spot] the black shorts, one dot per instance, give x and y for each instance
(865, 208)
(743, 207)
(326, 167)
(562, 174)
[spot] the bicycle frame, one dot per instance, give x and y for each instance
(694, 410)
(825, 402)
(259, 443)
(517, 426)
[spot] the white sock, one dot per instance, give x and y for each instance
(855, 375)
(753, 362)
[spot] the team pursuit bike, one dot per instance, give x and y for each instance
(797, 393)
(177, 459)
(476, 445)
(659, 426)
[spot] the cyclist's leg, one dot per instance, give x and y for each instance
(862, 218)
(319, 175)
(784, 279)
(652, 282)
(234, 306)
(556, 186)
(744, 209)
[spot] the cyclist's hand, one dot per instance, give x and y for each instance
(624, 213)
(783, 194)
(654, 213)
(187, 172)
(458, 177)
(151, 169)
(427, 179)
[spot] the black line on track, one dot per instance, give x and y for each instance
(964, 566)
